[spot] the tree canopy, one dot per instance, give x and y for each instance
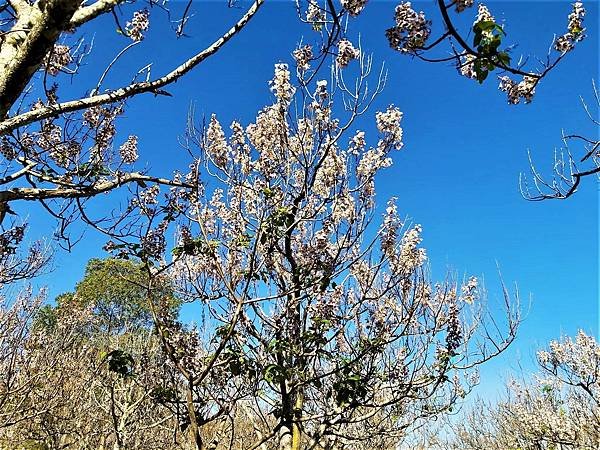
(115, 290)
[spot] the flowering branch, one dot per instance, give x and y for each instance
(113, 96)
(84, 191)
(412, 30)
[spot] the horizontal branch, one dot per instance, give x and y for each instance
(29, 117)
(87, 13)
(34, 194)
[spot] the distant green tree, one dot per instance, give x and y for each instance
(116, 290)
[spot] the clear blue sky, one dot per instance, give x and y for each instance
(457, 174)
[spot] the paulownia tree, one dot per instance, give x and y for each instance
(70, 389)
(18, 305)
(488, 51)
(476, 52)
(329, 319)
(61, 153)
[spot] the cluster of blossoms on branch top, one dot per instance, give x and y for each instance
(412, 34)
(575, 28)
(138, 25)
(411, 31)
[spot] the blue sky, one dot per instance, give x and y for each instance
(457, 174)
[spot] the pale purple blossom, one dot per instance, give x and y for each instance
(138, 25)
(58, 58)
(411, 30)
(303, 56)
(346, 53)
(354, 7)
(129, 150)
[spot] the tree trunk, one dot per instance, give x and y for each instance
(290, 434)
(296, 429)
(25, 47)
(194, 429)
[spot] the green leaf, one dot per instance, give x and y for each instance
(504, 58)
(495, 43)
(274, 373)
(485, 25)
(482, 75)
(120, 362)
(222, 331)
